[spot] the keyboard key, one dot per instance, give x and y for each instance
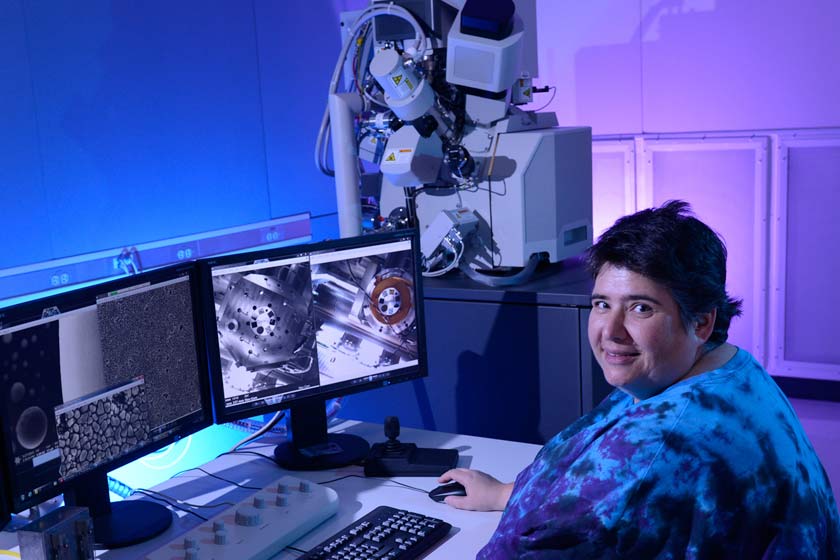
(383, 534)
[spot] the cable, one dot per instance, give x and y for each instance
(416, 489)
(173, 500)
(513, 280)
(149, 494)
(262, 431)
(490, 211)
(245, 452)
(218, 477)
(368, 14)
(458, 253)
(121, 489)
(553, 93)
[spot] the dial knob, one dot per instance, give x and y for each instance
(247, 516)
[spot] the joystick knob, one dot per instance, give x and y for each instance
(218, 525)
(305, 486)
(282, 500)
(191, 554)
(190, 542)
(259, 502)
(220, 537)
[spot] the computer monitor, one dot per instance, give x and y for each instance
(95, 378)
(293, 327)
(5, 509)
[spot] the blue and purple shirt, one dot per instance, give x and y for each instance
(716, 466)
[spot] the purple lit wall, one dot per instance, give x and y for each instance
(733, 106)
(730, 105)
(655, 66)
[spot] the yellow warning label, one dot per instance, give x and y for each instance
(405, 150)
(409, 84)
(391, 157)
(527, 92)
(397, 79)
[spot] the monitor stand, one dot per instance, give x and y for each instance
(116, 524)
(311, 447)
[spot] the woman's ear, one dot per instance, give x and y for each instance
(705, 325)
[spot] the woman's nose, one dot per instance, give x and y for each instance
(614, 327)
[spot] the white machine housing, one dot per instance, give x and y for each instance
(452, 139)
(481, 63)
(541, 189)
(410, 160)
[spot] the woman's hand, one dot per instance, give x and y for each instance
(484, 493)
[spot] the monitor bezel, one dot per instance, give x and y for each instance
(220, 413)
(83, 297)
(5, 492)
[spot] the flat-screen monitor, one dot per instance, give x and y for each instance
(95, 378)
(292, 327)
(5, 512)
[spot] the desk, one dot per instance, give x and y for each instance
(357, 496)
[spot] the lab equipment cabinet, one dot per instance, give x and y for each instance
(511, 363)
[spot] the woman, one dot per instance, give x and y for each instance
(697, 454)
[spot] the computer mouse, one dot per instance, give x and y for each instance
(450, 489)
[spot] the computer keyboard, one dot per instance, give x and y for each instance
(385, 533)
(259, 526)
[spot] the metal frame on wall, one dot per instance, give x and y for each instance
(760, 146)
(778, 364)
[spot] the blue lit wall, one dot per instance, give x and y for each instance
(129, 122)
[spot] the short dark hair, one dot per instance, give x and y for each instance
(672, 247)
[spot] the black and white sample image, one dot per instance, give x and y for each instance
(364, 310)
(265, 328)
(31, 389)
(100, 428)
(80, 354)
(150, 334)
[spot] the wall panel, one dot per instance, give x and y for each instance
(739, 64)
(726, 182)
(805, 265)
(590, 52)
(613, 182)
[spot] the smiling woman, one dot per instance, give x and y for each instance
(637, 335)
(697, 454)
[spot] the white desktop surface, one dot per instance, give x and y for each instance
(357, 495)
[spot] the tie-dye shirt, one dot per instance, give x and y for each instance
(716, 466)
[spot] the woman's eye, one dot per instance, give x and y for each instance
(641, 308)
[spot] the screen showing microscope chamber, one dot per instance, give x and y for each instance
(317, 320)
(94, 378)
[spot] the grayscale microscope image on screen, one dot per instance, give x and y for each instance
(364, 310)
(86, 387)
(266, 334)
(309, 321)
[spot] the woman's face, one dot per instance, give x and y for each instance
(637, 334)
